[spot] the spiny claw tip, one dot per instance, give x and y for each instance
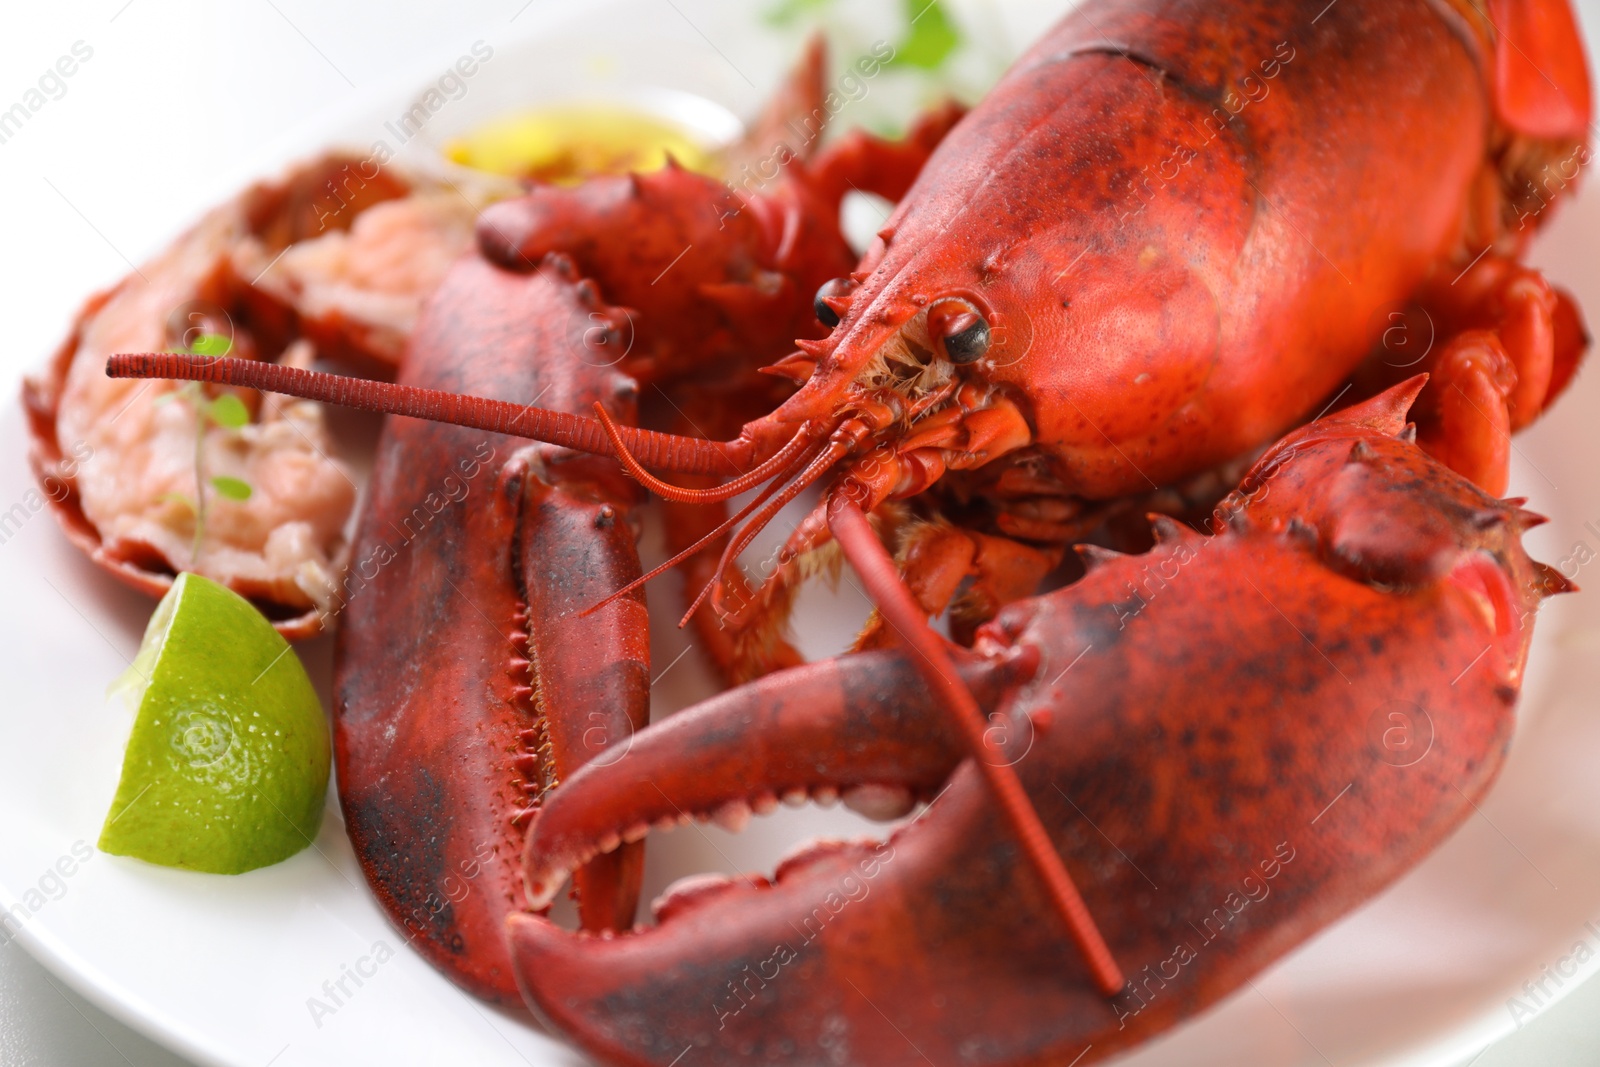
(541, 892)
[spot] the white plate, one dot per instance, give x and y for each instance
(225, 969)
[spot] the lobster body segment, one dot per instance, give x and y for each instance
(1215, 757)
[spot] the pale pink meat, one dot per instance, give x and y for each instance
(261, 270)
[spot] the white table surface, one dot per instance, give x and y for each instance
(177, 101)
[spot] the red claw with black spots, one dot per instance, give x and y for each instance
(1183, 743)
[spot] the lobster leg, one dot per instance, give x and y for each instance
(738, 654)
(718, 409)
(460, 696)
(936, 559)
(1511, 343)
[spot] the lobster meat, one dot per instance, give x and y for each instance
(1122, 270)
(283, 273)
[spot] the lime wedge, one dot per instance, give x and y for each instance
(226, 768)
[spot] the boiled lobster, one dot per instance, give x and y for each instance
(1155, 246)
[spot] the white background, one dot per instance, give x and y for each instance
(176, 108)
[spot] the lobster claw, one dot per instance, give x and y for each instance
(459, 701)
(870, 951)
(784, 968)
(1231, 740)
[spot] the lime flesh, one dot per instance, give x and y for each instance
(226, 768)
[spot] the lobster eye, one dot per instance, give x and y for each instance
(837, 289)
(960, 329)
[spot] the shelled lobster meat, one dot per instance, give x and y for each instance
(1169, 235)
(290, 270)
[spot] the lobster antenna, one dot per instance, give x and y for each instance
(723, 527)
(877, 571)
(663, 451)
(726, 491)
(819, 466)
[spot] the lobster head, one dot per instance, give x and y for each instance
(1048, 309)
(1232, 740)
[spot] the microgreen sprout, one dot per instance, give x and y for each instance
(930, 37)
(227, 412)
